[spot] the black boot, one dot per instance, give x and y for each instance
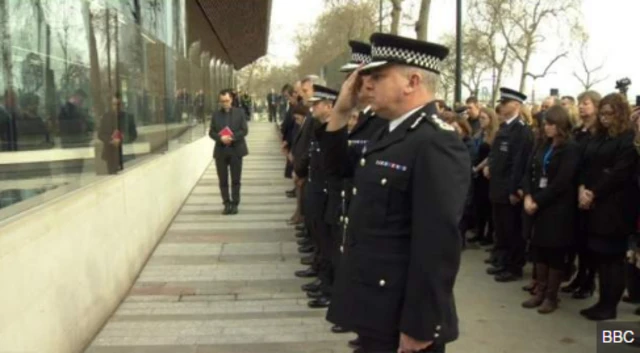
(587, 286)
(612, 285)
(233, 209)
(227, 208)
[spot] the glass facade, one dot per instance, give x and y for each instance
(90, 87)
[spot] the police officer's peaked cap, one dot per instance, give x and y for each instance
(461, 109)
(391, 49)
(508, 94)
(360, 54)
(322, 93)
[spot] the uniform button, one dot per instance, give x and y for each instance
(355, 191)
(383, 283)
(341, 218)
(342, 193)
(346, 220)
(438, 328)
(325, 190)
(436, 335)
(341, 248)
(362, 162)
(383, 181)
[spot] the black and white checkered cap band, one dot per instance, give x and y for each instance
(360, 58)
(510, 96)
(428, 62)
(322, 95)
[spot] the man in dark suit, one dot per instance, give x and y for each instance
(228, 129)
(272, 101)
(116, 127)
(402, 254)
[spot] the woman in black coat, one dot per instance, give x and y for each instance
(583, 284)
(551, 200)
(608, 192)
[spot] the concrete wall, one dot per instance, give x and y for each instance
(65, 266)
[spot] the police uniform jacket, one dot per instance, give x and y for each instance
(507, 160)
(341, 180)
(608, 170)
(554, 189)
(403, 249)
(300, 149)
(316, 189)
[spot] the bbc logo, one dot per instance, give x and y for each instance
(618, 337)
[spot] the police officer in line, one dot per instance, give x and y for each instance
(402, 253)
(316, 196)
(507, 161)
(340, 188)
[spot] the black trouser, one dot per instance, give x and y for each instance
(482, 207)
(388, 344)
(611, 278)
(223, 166)
(586, 261)
(322, 240)
(272, 112)
(510, 244)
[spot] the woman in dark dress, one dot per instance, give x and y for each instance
(482, 206)
(550, 200)
(583, 284)
(608, 193)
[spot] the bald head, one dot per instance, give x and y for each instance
(549, 102)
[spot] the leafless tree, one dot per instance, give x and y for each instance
(544, 73)
(484, 22)
(96, 91)
(590, 75)
(327, 38)
(422, 25)
(5, 45)
(396, 13)
(524, 22)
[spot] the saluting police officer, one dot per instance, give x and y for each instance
(395, 284)
(507, 161)
(340, 185)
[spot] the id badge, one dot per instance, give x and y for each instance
(504, 147)
(543, 182)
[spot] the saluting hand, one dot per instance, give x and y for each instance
(348, 98)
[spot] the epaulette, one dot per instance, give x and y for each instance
(439, 123)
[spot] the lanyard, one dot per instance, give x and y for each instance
(478, 141)
(546, 159)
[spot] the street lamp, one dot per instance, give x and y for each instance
(458, 88)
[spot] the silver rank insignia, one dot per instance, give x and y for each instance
(441, 124)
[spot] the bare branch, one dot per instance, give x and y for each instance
(546, 70)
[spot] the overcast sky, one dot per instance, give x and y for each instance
(610, 24)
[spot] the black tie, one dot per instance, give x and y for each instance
(384, 133)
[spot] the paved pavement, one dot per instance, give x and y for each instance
(222, 284)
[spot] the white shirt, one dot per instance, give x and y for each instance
(396, 122)
(511, 120)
